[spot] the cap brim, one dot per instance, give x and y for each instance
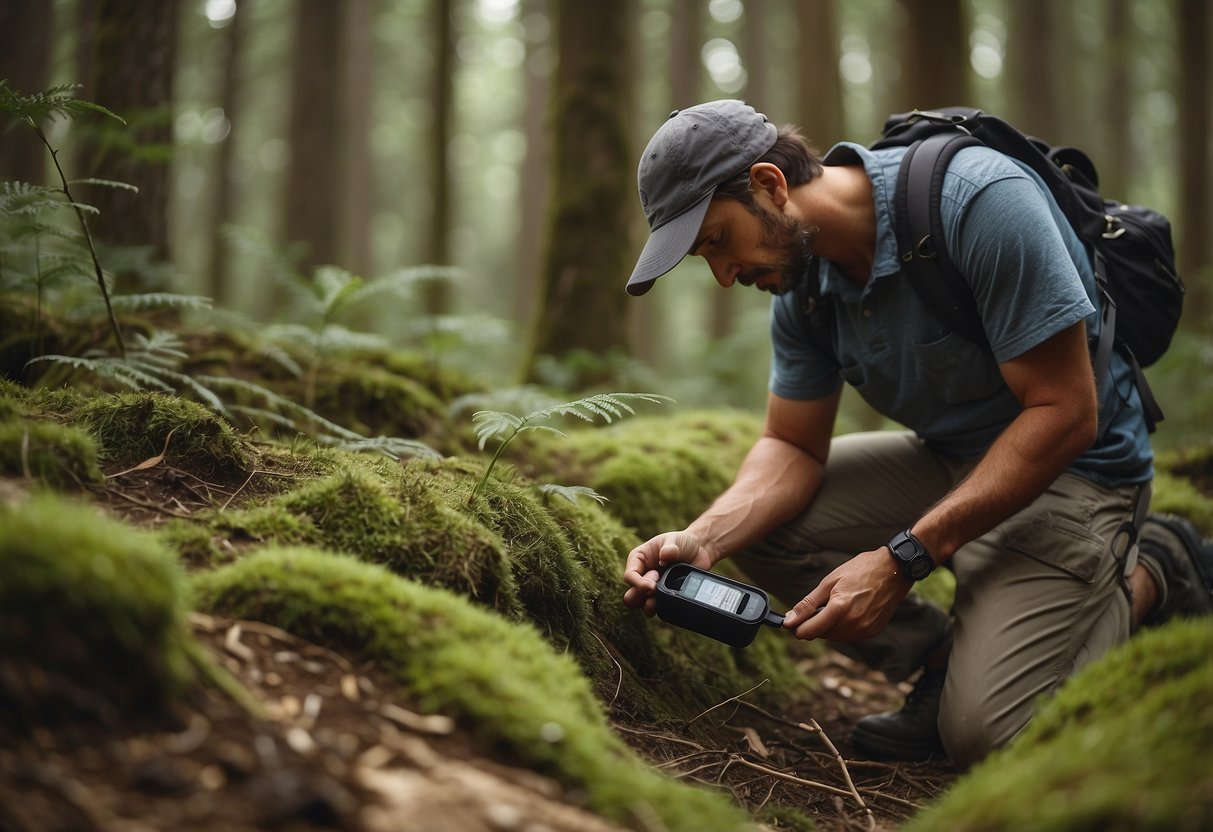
(667, 246)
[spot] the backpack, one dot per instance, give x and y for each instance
(1134, 258)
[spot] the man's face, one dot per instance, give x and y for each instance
(753, 246)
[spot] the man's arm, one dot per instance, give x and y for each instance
(1055, 385)
(777, 479)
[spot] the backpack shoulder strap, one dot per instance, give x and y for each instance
(919, 228)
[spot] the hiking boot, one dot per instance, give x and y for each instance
(911, 733)
(1181, 563)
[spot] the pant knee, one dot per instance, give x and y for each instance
(969, 732)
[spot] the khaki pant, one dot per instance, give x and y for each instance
(1036, 598)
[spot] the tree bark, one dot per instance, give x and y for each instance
(583, 303)
(819, 83)
(533, 190)
(1032, 70)
(313, 179)
(935, 56)
(437, 294)
(26, 33)
(133, 61)
(225, 186)
(1195, 116)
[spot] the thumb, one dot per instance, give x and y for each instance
(804, 609)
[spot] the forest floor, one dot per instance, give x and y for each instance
(332, 744)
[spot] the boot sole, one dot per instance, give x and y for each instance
(1197, 552)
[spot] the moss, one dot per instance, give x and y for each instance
(131, 427)
(659, 473)
(91, 615)
(377, 402)
(1123, 746)
(499, 679)
(58, 455)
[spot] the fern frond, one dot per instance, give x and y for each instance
(105, 183)
(572, 492)
(490, 423)
(159, 300)
(56, 101)
(525, 397)
(607, 406)
(391, 446)
(402, 283)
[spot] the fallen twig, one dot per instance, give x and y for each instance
(727, 701)
(813, 728)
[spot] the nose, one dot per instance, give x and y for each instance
(724, 272)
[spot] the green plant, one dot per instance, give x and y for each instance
(496, 424)
(34, 109)
(326, 301)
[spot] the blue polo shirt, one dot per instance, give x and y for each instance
(1031, 277)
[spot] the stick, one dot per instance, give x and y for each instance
(813, 728)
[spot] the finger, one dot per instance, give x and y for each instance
(800, 613)
(820, 624)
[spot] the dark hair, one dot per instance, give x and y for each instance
(791, 153)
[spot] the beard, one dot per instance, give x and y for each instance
(791, 244)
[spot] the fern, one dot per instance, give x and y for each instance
(572, 492)
(493, 424)
(33, 110)
(56, 101)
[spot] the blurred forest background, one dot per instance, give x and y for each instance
(500, 138)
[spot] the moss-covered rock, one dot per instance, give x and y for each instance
(1184, 485)
(659, 472)
(1123, 746)
(92, 616)
(498, 678)
(57, 455)
(131, 427)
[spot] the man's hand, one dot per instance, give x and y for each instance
(645, 561)
(861, 596)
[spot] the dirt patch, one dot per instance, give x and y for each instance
(335, 747)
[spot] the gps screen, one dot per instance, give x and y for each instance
(713, 593)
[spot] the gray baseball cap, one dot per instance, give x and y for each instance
(691, 154)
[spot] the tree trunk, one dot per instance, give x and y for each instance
(533, 190)
(1195, 117)
(133, 67)
(819, 83)
(313, 177)
(358, 192)
(1118, 95)
(225, 187)
(26, 32)
(588, 261)
(1032, 70)
(935, 57)
(438, 249)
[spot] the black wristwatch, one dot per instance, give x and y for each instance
(911, 556)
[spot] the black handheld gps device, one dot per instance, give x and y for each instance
(713, 605)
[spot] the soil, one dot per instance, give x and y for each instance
(332, 744)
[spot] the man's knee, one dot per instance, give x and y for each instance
(970, 727)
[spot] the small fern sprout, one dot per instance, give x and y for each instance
(493, 424)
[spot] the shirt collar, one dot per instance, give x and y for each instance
(882, 171)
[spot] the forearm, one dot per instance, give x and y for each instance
(775, 482)
(1032, 452)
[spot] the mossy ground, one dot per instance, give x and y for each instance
(91, 616)
(498, 678)
(545, 570)
(1123, 746)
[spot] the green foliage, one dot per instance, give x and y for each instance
(498, 678)
(57, 101)
(92, 616)
(493, 424)
(1123, 745)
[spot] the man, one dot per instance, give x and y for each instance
(1003, 474)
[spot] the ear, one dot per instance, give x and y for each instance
(766, 178)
